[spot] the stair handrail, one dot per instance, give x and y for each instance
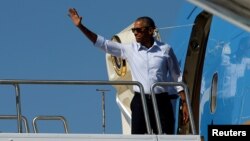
(23, 118)
(16, 84)
(54, 117)
(191, 119)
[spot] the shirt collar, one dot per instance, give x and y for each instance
(141, 47)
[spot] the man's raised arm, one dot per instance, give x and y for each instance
(77, 20)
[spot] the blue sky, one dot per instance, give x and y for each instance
(39, 42)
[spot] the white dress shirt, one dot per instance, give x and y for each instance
(147, 65)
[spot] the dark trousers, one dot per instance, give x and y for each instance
(165, 113)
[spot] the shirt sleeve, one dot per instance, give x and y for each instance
(174, 70)
(108, 46)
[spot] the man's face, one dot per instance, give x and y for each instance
(141, 31)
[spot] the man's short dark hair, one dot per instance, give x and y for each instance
(149, 21)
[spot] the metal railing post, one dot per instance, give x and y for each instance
(103, 108)
(145, 108)
(18, 108)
